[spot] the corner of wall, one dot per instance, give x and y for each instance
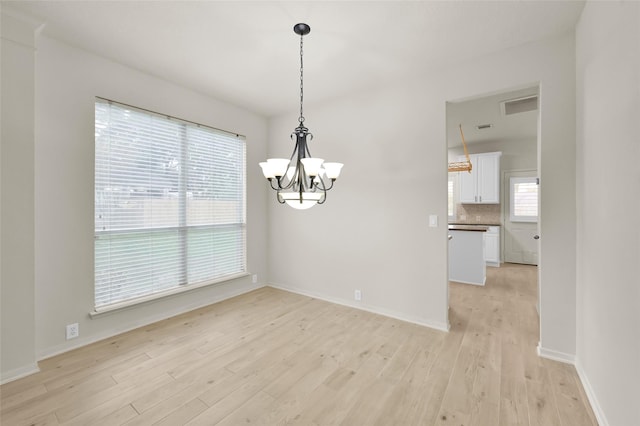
(17, 196)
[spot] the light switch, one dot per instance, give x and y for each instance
(433, 221)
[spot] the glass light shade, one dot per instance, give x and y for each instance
(304, 205)
(332, 169)
(312, 165)
(309, 199)
(278, 166)
(266, 170)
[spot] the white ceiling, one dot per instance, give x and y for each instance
(246, 52)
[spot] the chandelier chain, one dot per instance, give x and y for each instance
(301, 119)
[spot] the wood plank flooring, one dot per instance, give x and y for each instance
(271, 357)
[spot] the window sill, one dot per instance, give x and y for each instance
(151, 298)
(523, 219)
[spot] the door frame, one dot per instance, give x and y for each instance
(539, 174)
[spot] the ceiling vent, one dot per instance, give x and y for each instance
(516, 106)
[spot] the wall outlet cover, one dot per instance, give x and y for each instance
(73, 331)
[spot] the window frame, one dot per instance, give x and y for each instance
(184, 228)
(452, 184)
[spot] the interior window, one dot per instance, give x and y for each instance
(524, 199)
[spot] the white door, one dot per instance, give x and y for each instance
(521, 217)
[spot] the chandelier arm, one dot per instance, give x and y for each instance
(313, 186)
(324, 185)
(302, 177)
(319, 183)
(281, 187)
(295, 147)
(277, 188)
(289, 185)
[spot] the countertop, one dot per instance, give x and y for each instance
(465, 227)
(474, 224)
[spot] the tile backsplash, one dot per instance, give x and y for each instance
(486, 214)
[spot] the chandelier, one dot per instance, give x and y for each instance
(301, 181)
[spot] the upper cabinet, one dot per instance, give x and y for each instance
(482, 185)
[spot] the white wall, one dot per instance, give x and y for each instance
(372, 233)
(67, 80)
(17, 356)
(608, 253)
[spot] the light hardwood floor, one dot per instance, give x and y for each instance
(273, 357)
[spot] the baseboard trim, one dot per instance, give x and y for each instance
(591, 396)
(18, 373)
(60, 349)
(556, 355)
(437, 325)
(469, 282)
(582, 375)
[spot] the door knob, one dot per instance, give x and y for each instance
(536, 237)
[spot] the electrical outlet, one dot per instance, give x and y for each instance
(463, 217)
(478, 218)
(254, 279)
(73, 331)
(358, 295)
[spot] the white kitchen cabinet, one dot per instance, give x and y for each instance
(492, 246)
(467, 181)
(482, 185)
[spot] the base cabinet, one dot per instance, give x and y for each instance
(466, 260)
(492, 246)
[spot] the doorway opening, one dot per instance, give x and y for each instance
(501, 132)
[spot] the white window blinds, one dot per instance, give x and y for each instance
(450, 204)
(524, 199)
(169, 204)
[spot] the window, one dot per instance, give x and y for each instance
(169, 205)
(523, 199)
(451, 208)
